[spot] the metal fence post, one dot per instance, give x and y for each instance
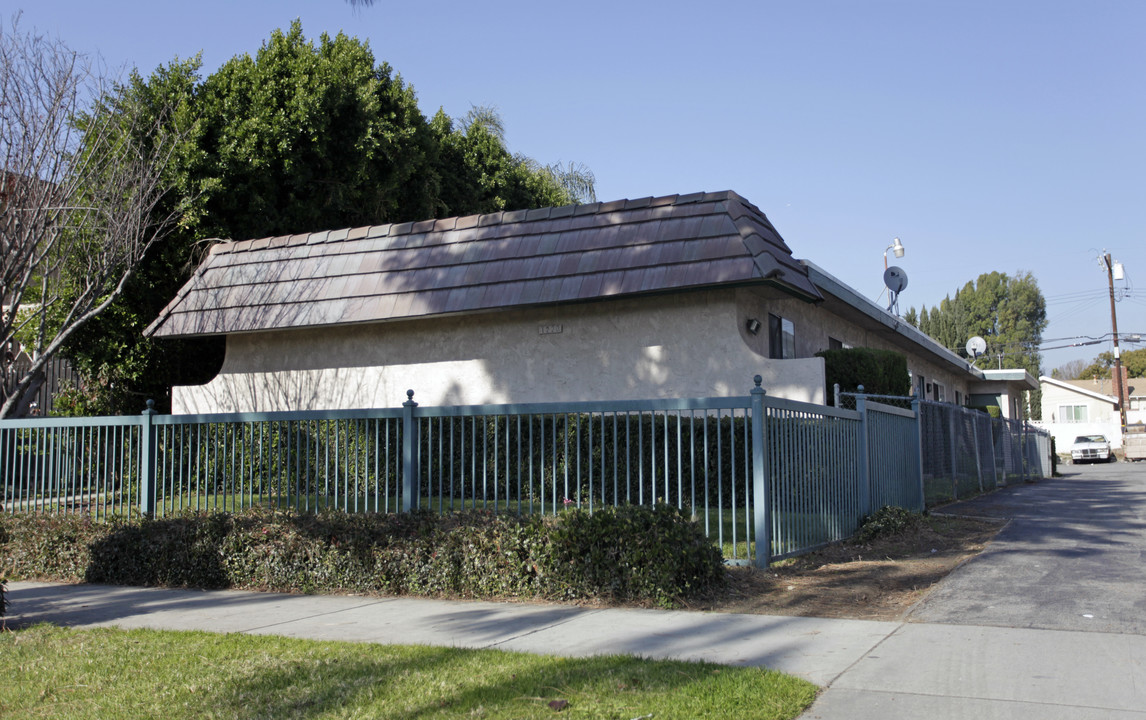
(761, 492)
(974, 437)
(954, 453)
(864, 458)
(147, 484)
(410, 470)
(1023, 448)
(917, 408)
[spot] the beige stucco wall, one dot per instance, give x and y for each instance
(814, 326)
(684, 345)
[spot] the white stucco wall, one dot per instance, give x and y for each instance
(683, 345)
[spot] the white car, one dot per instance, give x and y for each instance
(1091, 448)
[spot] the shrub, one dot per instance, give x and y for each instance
(881, 372)
(641, 554)
(633, 553)
(886, 522)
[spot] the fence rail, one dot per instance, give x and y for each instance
(796, 474)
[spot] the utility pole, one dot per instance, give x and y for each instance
(1118, 392)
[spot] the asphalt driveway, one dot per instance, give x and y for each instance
(1072, 557)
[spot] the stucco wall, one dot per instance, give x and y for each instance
(684, 345)
(814, 326)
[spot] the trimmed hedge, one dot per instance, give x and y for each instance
(628, 553)
(881, 372)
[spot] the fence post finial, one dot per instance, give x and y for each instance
(757, 379)
(859, 389)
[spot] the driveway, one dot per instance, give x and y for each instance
(1072, 557)
(1048, 623)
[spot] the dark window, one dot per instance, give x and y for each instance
(781, 338)
(834, 344)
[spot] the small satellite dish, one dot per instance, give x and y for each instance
(976, 346)
(895, 279)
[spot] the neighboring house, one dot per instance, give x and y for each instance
(1085, 407)
(678, 296)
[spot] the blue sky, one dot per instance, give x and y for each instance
(987, 135)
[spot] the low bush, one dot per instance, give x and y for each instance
(886, 522)
(639, 554)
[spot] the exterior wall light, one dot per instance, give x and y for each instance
(896, 247)
(753, 326)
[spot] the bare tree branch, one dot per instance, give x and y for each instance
(80, 185)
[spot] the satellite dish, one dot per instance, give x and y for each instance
(895, 279)
(976, 346)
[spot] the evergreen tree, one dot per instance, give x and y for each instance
(303, 136)
(1009, 312)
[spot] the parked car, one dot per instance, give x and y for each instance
(1091, 448)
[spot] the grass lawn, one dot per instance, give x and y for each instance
(55, 672)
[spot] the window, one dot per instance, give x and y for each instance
(781, 338)
(1072, 413)
(834, 344)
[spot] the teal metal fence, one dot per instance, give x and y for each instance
(798, 474)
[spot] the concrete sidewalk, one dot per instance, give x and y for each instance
(874, 669)
(813, 648)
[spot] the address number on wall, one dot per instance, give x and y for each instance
(548, 329)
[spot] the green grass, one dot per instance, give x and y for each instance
(61, 673)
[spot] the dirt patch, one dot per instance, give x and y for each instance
(880, 580)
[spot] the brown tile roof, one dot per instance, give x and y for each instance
(483, 262)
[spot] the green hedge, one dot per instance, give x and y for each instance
(881, 372)
(629, 553)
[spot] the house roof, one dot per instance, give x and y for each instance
(1017, 375)
(483, 262)
(1071, 386)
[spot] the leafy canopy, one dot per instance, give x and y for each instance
(303, 136)
(1008, 311)
(1133, 360)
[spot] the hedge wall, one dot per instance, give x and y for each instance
(881, 372)
(650, 555)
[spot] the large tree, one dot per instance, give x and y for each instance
(1133, 360)
(302, 136)
(1008, 311)
(80, 200)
